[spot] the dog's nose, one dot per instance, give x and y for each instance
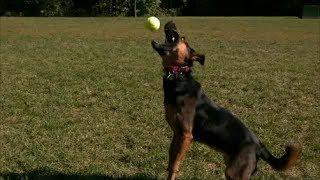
(153, 42)
(155, 45)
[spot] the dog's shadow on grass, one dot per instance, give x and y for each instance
(59, 176)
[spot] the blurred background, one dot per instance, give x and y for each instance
(300, 8)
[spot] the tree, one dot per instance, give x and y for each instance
(148, 7)
(58, 8)
(111, 7)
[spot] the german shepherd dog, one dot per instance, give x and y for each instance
(193, 117)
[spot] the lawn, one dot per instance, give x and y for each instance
(84, 95)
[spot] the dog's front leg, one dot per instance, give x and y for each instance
(178, 148)
(182, 137)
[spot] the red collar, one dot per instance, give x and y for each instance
(177, 69)
(176, 72)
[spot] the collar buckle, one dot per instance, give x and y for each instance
(170, 76)
(176, 72)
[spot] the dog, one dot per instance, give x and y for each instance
(193, 117)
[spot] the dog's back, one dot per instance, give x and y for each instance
(213, 125)
(219, 128)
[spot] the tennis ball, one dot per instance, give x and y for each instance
(153, 23)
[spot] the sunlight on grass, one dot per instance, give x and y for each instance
(84, 95)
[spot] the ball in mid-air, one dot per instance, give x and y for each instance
(153, 23)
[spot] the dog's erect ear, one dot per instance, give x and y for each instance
(200, 58)
(197, 57)
(193, 55)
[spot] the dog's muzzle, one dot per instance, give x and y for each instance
(162, 49)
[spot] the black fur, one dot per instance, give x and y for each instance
(213, 125)
(204, 121)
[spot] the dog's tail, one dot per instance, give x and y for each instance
(293, 153)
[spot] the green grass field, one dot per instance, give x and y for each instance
(84, 95)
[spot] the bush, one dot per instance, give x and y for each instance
(111, 8)
(57, 8)
(126, 8)
(149, 7)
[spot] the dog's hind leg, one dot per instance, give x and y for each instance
(243, 165)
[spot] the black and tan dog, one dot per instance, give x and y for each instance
(193, 117)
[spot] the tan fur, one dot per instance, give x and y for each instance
(177, 56)
(295, 151)
(179, 146)
(185, 118)
(182, 52)
(171, 114)
(181, 123)
(242, 166)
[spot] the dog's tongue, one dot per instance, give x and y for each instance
(172, 35)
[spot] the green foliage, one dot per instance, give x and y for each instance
(148, 7)
(126, 8)
(31, 7)
(57, 8)
(112, 8)
(78, 8)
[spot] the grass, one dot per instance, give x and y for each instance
(84, 95)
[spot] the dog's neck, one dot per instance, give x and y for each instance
(177, 72)
(182, 83)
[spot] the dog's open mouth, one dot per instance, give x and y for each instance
(172, 37)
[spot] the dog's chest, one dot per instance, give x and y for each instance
(176, 92)
(181, 115)
(180, 99)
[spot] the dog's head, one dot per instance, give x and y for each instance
(175, 51)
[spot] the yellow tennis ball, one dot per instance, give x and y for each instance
(153, 23)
